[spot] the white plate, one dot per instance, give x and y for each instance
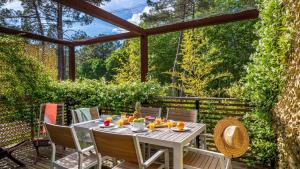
(184, 129)
(110, 125)
(138, 130)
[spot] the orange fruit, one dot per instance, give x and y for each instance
(180, 125)
(130, 119)
(109, 119)
(158, 121)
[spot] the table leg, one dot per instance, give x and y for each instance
(178, 157)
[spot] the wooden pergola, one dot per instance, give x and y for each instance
(133, 30)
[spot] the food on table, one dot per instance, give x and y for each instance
(130, 119)
(137, 113)
(180, 125)
(139, 120)
(170, 124)
(138, 124)
(120, 123)
(163, 123)
(151, 126)
(109, 119)
(106, 122)
(125, 121)
(158, 121)
(123, 116)
(150, 118)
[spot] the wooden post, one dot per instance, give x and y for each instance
(72, 63)
(144, 57)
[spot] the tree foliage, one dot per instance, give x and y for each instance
(197, 65)
(21, 75)
(264, 78)
(130, 70)
(92, 60)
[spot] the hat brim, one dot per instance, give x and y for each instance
(230, 151)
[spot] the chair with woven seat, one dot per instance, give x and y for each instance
(151, 111)
(66, 137)
(186, 115)
(127, 148)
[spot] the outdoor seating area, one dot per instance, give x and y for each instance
(149, 84)
(122, 143)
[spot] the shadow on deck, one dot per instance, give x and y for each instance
(26, 154)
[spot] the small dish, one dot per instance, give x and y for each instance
(103, 126)
(178, 130)
(139, 130)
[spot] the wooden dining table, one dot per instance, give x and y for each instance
(160, 136)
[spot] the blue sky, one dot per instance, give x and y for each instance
(127, 9)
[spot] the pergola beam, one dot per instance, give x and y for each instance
(33, 36)
(99, 13)
(208, 21)
(72, 68)
(105, 39)
(144, 57)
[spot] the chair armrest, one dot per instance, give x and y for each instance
(87, 149)
(205, 152)
(154, 157)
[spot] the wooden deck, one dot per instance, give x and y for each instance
(27, 155)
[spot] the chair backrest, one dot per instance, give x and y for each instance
(60, 118)
(125, 147)
(60, 113)
(93, 114)
(187, 115)
(151, 111)
(62, 135)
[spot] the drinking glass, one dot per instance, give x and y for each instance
(151, 126)
(120, 123)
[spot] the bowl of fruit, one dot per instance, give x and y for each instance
(138, 124)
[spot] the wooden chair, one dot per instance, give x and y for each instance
(66, 137)
(94, 113)
(151, 111)
(204, 159)
(127, 148)
(42, 139)
(186, 115)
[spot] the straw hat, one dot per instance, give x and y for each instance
(231, 137)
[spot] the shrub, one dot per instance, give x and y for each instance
(87, 93)
(263, 148)
(20, 76)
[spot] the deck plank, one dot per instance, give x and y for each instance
(27, 155)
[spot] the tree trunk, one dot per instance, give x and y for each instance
(181, 92)
(60, 48)
(175, 61)
(174, 79)
(40, 27)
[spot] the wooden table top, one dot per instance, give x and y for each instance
(161, 134)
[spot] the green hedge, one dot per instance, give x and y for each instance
(87, 93)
